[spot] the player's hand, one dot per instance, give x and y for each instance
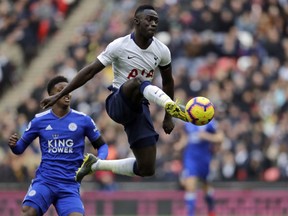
(168, 125)
(13, 140)
(48, 101)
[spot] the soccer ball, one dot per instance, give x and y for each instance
(199, 110)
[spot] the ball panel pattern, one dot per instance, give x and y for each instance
(199, 110)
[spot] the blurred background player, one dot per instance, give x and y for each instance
(135, 58)
(198, 144)
(61, 131)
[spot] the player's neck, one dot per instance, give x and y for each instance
(60, 111)
(141, 42)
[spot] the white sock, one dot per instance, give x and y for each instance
(156, 95)
(122, 166)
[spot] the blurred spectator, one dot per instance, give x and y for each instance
(25, 25)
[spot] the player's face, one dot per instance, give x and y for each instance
(66, 99)
(147, 23)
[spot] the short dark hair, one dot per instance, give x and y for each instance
(54, 81)
(141, 8)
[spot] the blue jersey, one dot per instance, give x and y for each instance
(197, 153)
(62, 142)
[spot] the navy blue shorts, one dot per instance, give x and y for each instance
(65, 197)
(136, 119)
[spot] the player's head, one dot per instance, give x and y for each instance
(55, 85)
(54, 81)
(146, 20)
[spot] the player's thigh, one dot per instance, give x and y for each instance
(29, 211)
(131, 89)
(145, 156)
(120, 109)
(38, 197)
(191, 183)
(69, 202)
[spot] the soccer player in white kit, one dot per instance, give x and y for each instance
(134, 59)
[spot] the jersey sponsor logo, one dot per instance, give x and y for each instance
(49, 127)
(60, 146)
(130, 57)
(134, 73)
(72, 127)
(55, 136)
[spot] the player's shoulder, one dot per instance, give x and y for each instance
(118, 45)
(159, 43)
(78, 113)
(213, 122)
(43, 114)
(120, 40)
(161, 47)
(156, 40)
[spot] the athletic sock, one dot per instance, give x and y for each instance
(190, 200)
(122, 166)
(209, 198)
(154, 94)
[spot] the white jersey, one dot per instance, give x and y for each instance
(130, 61)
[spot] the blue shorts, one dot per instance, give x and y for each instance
(136, 119)
(195, 168)
(65, 197)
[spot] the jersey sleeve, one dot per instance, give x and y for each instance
(28, 136)
(91, 130)
(31, 132)
(110, 54)
(166, 56)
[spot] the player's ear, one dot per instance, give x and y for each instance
(136, 21)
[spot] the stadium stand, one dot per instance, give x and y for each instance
(26, 26)
(233, 52)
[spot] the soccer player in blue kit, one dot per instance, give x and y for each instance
(62, 132)
(135, 59)
(197, 145)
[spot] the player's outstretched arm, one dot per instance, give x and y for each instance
(84, 75)
(17, 146)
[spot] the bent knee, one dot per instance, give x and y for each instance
(28, 211)
(146, 172)
(133, 83)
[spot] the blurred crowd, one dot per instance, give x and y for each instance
(25, 26)
(234, 52)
